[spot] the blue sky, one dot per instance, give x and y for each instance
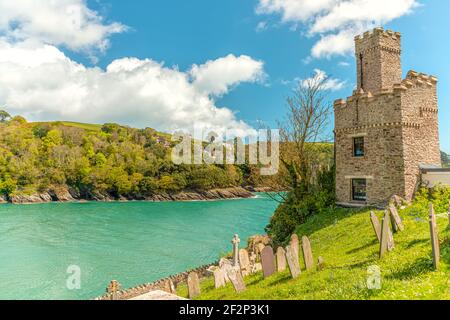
(183, 33)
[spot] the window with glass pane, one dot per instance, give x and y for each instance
(358, 147)
(359, 190)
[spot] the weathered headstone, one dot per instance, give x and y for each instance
(434, 238)
(295, 243)
(113, 288)
(225, 265)
(281, 259)
(397, 223)
(244, 262)
(307, 253)
(385, 234)
(235, 243)
(193, 285)
(292, 260)
(320, 264)
(219, 278)
(376, 225)
(268, 261)
(236, 279)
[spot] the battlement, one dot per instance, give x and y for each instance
(377, 34)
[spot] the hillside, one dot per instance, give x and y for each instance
(64, 161)
(346, 240)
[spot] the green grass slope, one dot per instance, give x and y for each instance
(346, 240)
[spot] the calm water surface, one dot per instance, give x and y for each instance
(134, 242)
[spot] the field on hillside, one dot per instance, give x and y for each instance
(347, 242)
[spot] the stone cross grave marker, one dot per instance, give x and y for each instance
(396, 220)
(292, 260)
(387, 240)
(219, 278)
(244, 262)
(376, 225)
(193, 285)
(434, 238)
(235, 243)
(295, 243)
(113, 288)
(235, 276)
(268, 261)
(307, 253)
(281, 259)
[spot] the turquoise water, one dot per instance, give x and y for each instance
(134, 242)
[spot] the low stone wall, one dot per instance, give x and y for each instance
(163, 284)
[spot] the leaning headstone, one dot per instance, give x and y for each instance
(385, 234)
(193, 285)
(434, 238)
(281, 259)
(235, 243)
(244, 262)
(307, 253)
(113, 288)
(225, 265)
(293, 263)
(219, 278)
(396, 220)
(320, 264)
(376, 225)
(268, 261)
(295, 243)
(236, 279)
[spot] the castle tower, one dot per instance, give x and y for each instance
(388, 129)
(378, 60)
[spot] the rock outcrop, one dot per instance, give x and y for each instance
(70, 195)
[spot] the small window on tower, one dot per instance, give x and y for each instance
(358, 147)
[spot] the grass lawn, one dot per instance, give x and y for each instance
(347, 242)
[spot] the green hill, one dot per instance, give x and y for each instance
(346, 240)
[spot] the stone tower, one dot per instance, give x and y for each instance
(388, 128)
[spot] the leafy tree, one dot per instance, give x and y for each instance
(4, 116)
(445, 159)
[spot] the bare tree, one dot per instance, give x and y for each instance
(304, 126)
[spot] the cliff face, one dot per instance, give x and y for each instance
(67, 195)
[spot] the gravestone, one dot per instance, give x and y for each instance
(281, 259)
(434, 238)
(396, 220)
(307, 253)
(235, 276)
(113, 288)
(225, 265)
(320, 264)
(295, 243)
(292, 260)
(193, 285)
(386, 235)
(376, 225)
(244, 262)
(235, 243)
(219, 278)
(268, 261)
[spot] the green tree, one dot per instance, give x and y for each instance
(4, 116)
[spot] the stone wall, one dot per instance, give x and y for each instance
(397, 118)
(162, 284)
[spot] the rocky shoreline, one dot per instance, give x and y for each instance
(68, 195)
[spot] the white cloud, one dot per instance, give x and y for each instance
(328, 83)
(216, 77)
(42, 83)
(336, 21)
(261, 26)
(69, 23)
